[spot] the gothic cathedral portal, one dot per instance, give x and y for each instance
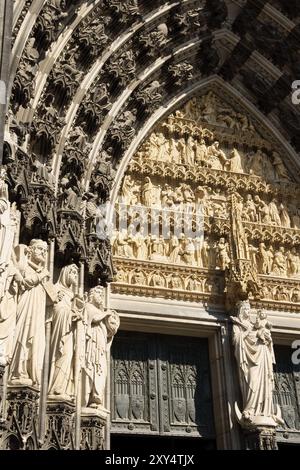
(149, 225)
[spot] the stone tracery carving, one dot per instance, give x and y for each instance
(149, 97)
(49, 23)
(94, 107)
(125, 11)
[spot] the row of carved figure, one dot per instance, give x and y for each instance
(28, 302)
(281, 293)
(278, 262)
(184, 198)
(191, 151)
(212, 285)
(203, 253)
(186, 250)
(194, 283)
(209, 108)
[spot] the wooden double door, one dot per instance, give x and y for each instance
(160, 386)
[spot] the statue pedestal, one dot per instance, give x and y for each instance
(93, 425)
(21, 418)
(59, 424)
(259, 431)
(261, 438)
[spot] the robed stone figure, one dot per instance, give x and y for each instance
(29, 339)
(63, 316)
(102, 325)
(255, 357)
(10, 276)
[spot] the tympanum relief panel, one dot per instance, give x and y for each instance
(173, 218)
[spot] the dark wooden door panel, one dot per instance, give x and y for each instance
(161, 385)
(287, 393)
(134, 385)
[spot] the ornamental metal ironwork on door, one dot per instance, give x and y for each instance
(160, 385)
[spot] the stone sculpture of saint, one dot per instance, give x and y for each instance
(174, 250)
(8, 228)
(8, 311)
(140, 244)
(9, 274)
(216, 157)
(222, 252)
(147, 192)
(235, 162)
(274, 213)
(281, 171)
(63, 316)
(284, 217)
(102, 325)
(129, 191)
(239, 236)
(280, 262)
(29, 342)
(255, 358)
(201, 152)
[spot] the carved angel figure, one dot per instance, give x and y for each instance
(29, 343)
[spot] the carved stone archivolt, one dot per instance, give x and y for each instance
(93, 36)
(206, 168)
